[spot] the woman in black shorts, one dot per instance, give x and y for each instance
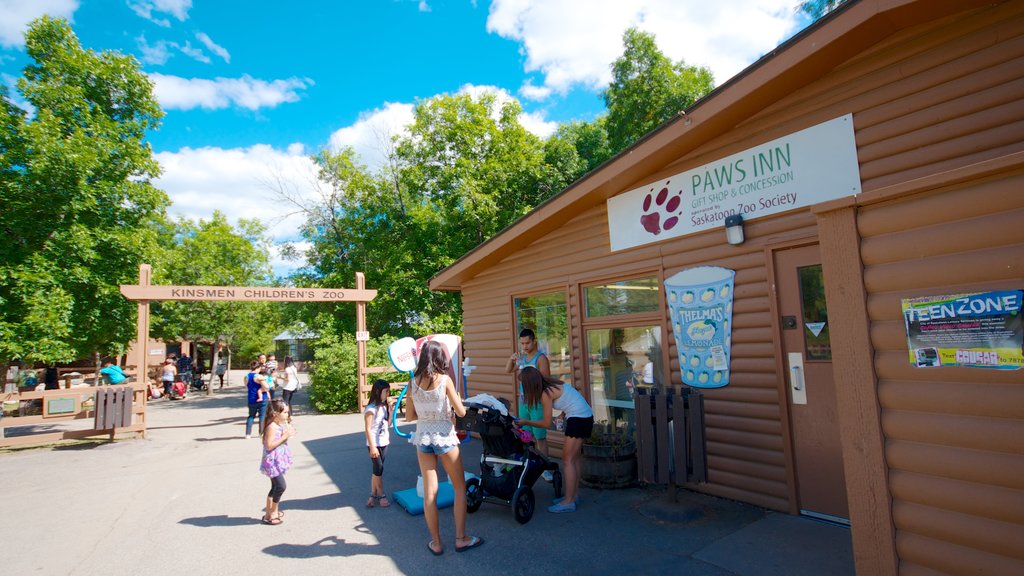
(553, 394)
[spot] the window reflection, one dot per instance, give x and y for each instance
(815, 314)
(547, 315)
(620, 361)
(624, 297)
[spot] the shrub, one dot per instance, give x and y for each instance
(334, 376)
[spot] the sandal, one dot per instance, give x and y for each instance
(271, 521)
(382, 501)
(371, 501)
(432, 551)
(474, 541)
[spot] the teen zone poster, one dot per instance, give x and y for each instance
(976, 330)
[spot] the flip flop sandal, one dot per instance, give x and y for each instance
(271, 522)
(474, 542)
(432, 551)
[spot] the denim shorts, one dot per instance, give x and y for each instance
(431, 449)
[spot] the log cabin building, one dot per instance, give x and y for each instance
(875, 158)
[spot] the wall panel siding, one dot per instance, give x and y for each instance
(954, 436)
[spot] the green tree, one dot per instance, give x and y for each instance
(575, 149)
(648, 89)
(77, 208)
(212, 253)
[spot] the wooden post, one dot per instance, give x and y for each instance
(360, 343)
(142, 345)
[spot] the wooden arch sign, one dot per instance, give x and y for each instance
(144, 292)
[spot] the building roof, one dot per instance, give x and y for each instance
(297, 335)
(853, 28)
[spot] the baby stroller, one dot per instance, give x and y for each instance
(508, 466)
(197, 381)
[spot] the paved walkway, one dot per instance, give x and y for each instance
(188, 498)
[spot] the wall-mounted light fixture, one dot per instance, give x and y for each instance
(734, 229)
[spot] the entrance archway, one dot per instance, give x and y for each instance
(144, 293)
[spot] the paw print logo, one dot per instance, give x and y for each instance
(656, 206)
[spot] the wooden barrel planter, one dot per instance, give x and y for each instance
(609, 464)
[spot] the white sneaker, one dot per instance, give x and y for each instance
(247, 436)
(547, 476)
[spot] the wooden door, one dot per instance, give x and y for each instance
(807, 356)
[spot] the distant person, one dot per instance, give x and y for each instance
(531, 356)
(258, 395)
(185, 368)
(291, 380)
(277, 457)
(377, 439)
(579, 423)
(434, 399)
(271, 362)
(113, 374)
(221, 369)
(167, 374)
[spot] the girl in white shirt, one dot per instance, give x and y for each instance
(291, 381)
(377, 439)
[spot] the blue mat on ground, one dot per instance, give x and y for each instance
(413, 504)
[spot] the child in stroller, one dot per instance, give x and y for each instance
(509, 465)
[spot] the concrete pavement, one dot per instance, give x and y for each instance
(188, 498)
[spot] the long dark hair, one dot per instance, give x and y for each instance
(274, 408)
(433, 361)
(535, 383)
(375, 393)
(288, 361)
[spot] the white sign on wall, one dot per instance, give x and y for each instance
(804, 168)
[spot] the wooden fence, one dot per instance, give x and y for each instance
(671, 448)
(122, 409)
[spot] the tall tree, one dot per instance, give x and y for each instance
(77, 209)
(648, 89)
(212, 253)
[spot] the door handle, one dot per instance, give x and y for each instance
(797, 385)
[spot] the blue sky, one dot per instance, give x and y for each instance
(252, 88)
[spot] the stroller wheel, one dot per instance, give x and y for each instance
(522, 504)
(474, 495)
(556, 483)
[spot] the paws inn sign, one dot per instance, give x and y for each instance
(804, 168)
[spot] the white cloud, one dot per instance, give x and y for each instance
(573, 47)
(194, 53)
(146, 9)
(16, 14)
(371, 134)
(177, 93)
(531, 92)
(214, 47)
(423, 6)
(241, 183)
(158, 53)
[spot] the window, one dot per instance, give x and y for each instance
(547, 315)
(621, 360)
(635, 296)
(623, 335)
(812, 301)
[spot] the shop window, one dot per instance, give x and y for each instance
(548, 316)
(636, 296)
(620, 360)
(815, 313)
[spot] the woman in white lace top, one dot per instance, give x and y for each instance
(435, 403)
